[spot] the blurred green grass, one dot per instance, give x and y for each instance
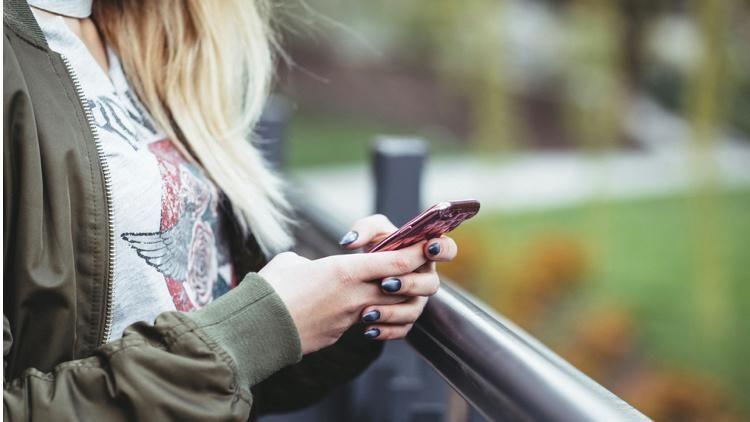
(645, 256)
(318, 139)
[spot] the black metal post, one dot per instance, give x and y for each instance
(408, 390)
(271, 131)
(397, 166)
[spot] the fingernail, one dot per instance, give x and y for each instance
(348, 238)
(391, 284)
(372, 333)
(434, 249)
(371, 316)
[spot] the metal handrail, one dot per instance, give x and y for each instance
(504, 372)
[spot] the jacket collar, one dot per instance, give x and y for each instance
(17, 15)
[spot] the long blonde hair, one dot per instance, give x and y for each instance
(203, 68)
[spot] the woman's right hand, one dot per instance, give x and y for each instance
(326, 296)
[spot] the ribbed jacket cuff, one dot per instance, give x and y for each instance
(253, 325)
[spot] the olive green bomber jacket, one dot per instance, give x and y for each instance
(239, 355)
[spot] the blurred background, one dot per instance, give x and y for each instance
(609, 144)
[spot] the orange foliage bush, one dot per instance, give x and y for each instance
(604, 346)
(550, 267)
(678, 396)
(466, 268)
(603, 342)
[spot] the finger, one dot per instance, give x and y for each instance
(403, 313)
(413, 284)
(427, 267)
(367, 230)
(377, 265)
(373, 295)
(387, 332)
(440, 249)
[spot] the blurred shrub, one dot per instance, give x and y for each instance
(548, 269)
(466, 269)
(602, 342)
(679, 396)
(546, 280)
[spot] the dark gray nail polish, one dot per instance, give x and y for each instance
(391, 284)
(371, 316)
(348, 238)
(372, 333)
(434, 249)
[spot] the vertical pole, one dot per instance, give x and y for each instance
(398, 165)
(412, 393)
(271, 131)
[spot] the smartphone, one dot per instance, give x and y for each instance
(433, 222)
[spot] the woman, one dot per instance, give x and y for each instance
(137, 220)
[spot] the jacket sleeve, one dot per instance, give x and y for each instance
(308, 381)
(196, 366)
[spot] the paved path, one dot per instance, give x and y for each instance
(546, 180)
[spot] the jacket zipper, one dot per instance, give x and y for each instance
(107, 196)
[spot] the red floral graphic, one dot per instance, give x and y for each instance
(185, 249)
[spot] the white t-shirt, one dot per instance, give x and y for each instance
(171, 248)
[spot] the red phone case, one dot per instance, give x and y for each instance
(433, 222)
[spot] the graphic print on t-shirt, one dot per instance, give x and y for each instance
(120, 117)
(169, 251)
(185, 250)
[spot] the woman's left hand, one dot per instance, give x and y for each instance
(393, 321)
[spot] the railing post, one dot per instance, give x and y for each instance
(397, 165)
(409, 391)
(271, 131)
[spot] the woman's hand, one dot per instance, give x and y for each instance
(394, 320)
(327, 296)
